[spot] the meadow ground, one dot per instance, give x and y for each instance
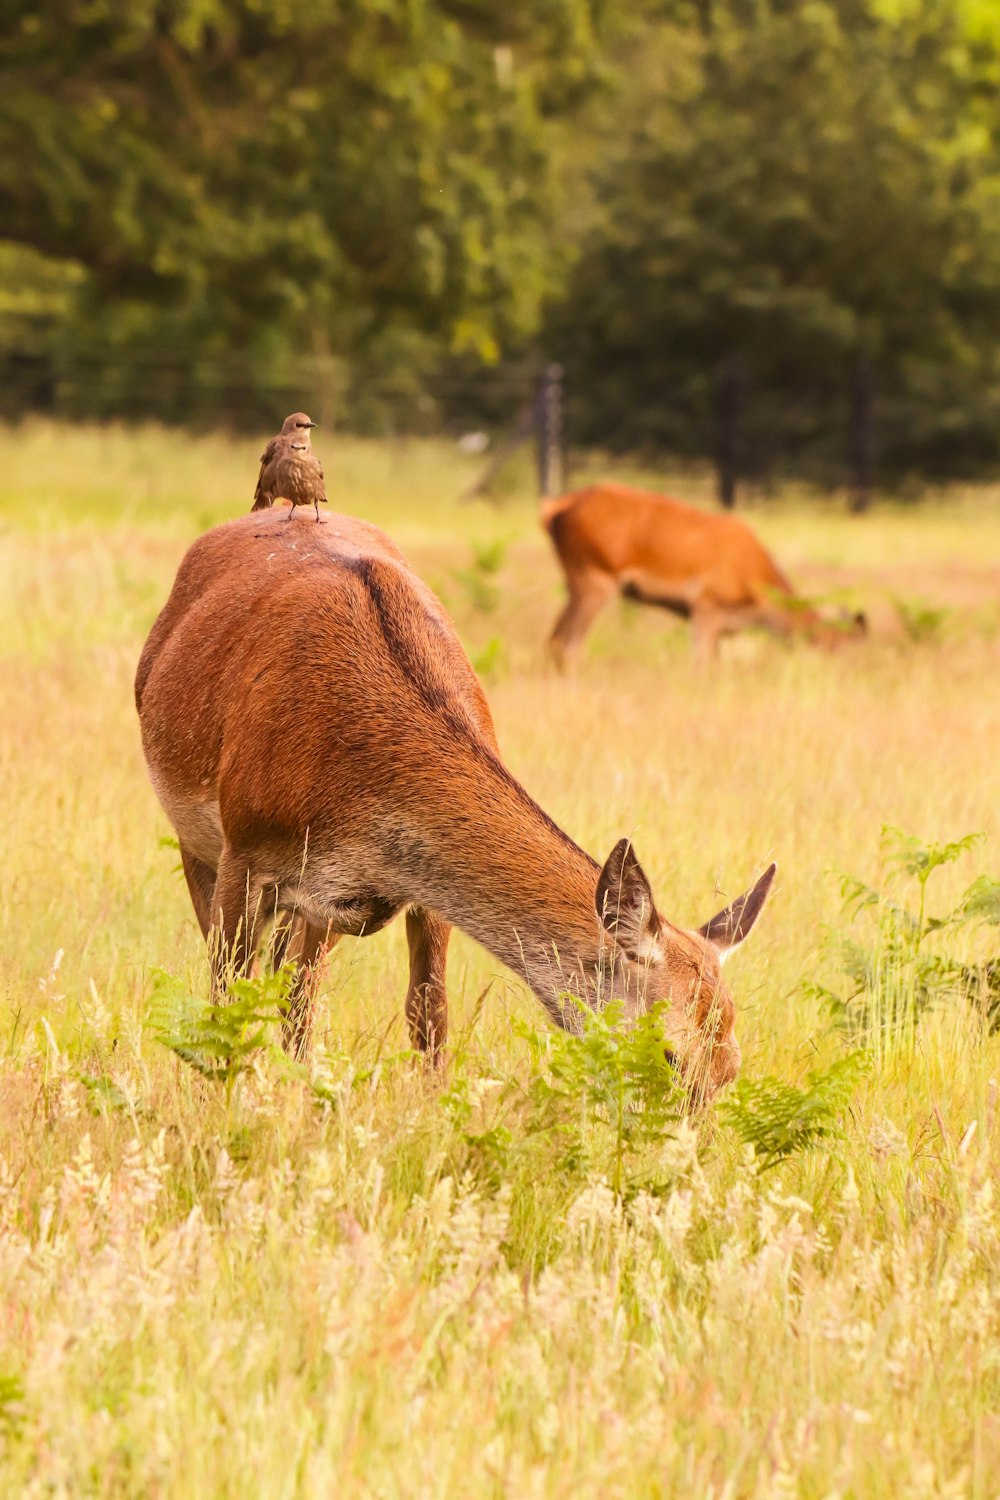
(354, 1280)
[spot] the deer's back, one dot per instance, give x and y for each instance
(627, 532)
(293, 667)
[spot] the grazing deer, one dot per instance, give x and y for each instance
(319, 741)
(710, 569)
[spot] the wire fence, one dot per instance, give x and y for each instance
(841, 436)
(494, 411)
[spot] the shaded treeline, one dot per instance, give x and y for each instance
(770, 229)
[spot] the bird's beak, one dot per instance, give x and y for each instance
(312, 424)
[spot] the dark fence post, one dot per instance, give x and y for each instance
(862, 437)
(732, 399)
(548, 431)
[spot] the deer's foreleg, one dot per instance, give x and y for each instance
(426, 997)
(588, 594)
(241, 906)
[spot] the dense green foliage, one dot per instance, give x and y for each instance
(806, 188)
(211, 203)
(213, 183)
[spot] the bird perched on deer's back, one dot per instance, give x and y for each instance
(289, 469)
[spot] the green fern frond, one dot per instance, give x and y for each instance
(909, 856)
(893, 977)
(779, 1120)
(981, 902)
(218, 1040)
(611, 1087)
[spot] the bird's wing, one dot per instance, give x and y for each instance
(262, 500)
(319, 471)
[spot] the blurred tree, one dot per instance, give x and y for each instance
(814, 189)
(281, 176)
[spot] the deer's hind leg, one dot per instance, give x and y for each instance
(304, 944)
(426, 997)
(201, 886)
(707, 629)
(589, 592)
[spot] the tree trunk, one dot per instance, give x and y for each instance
(862, 438)
(731, 401)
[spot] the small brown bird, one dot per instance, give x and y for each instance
(289, 469)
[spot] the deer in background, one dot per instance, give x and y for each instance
(708, 568)
(322, 746)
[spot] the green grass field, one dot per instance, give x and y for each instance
(354, 1280)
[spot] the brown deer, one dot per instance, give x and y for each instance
(708, 568)
(322, 746)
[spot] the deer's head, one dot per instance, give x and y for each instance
(655, 961)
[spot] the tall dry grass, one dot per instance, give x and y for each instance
(418, 1288)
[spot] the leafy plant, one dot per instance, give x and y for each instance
(104, 1093)
(169, 842)
(219, 1040)
(491, 658)
(333, 1076)
(11, 1402)
(982, 900)
(596, 1102)
(895, 975)
(840, 606)
(778, 1120)
(489, 556)
(478, 581)
(923, 623)
(796, 604)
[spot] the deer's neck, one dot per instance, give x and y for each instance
(494, 864)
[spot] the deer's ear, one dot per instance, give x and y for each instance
(625, 905)
(729, 928)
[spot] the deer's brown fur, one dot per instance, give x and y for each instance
(711, 569)
(324, 750)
